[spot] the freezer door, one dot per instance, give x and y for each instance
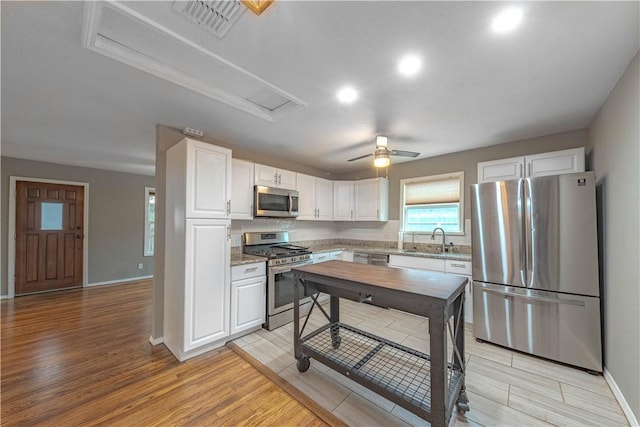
(497, 232)
(562, 250)
(565, 328)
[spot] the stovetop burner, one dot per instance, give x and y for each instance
(274, 245)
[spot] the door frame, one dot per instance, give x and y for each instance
(11, 250)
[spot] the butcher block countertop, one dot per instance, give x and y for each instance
(421, 283)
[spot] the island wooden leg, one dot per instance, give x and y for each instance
(296, 317)
(439, 389)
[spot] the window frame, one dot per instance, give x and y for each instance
(432, 178)
(147, 251)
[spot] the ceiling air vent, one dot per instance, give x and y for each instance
(216, 16)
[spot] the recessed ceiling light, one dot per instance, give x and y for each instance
(409, 65)
(507, 20)
(347, 95)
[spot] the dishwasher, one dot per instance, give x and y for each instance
(373, 259)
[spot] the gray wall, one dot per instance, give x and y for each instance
(167, 137)
(467, 161)
(116, 217)
(614, 138)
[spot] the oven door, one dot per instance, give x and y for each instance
(280, 287)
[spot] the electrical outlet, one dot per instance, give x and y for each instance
(140, 266)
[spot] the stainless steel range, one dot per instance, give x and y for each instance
(281, 258)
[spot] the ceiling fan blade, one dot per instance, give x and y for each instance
(360, 157)
(403, 153)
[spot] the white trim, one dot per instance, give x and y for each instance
(4, 296)
(11, 243)
(633, 421)
(156, 341)
(145, 250)
(125, 280)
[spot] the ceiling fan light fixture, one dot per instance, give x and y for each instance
(381, 141)
(381, 158)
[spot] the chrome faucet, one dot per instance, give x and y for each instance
(444, 237)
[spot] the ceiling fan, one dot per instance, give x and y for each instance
(382, 153)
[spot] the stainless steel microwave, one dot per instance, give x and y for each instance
(275, 202)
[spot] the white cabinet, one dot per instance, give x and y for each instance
(205, 171)
(326, 256)
(241, 189)
(273, 177)
(343, 199)
(197, 248)
(372, 199)
(315, 198)
(449, 266)
(553, 163)
(346, 256)
(248, 296)
(364, 200)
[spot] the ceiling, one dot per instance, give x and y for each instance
(64, 103)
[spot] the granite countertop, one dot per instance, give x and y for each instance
(390, 251)
(241, 259)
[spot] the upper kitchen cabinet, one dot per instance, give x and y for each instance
(372, 199)
(205, 171)
(315, 200)
(364, 200)
(343, 200)
(273, 177)
(553, 163)
(242, 189)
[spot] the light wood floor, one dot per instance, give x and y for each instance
(82, 357)
(505, 388)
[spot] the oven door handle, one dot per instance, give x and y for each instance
(288, 267)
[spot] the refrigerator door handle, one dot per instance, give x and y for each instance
(507, 294)
(529, 230)
(521, 230)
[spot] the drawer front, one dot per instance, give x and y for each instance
(245, 271)
(322, 257)
(458, 267)
(431, 264)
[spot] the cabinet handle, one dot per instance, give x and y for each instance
(279, 179)
(249, 270)
(458, 265)
(529, 169)
(520, 170)
(275, 177)
(228, 207)
(228, 232)
(351, 216)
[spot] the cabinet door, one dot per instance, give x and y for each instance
(366, 206)
(343, 200)
(208, 185)
(248, 303)
(286, 179)
(555, 163)
(207, 278)
(242, 189)
(306, 186)
(324, 199)
(500, 170)
(265, 175)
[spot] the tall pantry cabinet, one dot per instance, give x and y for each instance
(197, 248)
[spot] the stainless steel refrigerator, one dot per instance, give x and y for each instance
(535, 267)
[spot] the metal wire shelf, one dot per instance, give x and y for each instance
(398, 370)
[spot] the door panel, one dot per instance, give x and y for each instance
(49, 240)
(497, 232)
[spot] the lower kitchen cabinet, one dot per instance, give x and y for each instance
(248, 296)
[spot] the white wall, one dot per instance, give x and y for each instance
(614, 138)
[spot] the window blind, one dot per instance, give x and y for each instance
(429, 192)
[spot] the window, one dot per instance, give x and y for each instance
(433, 201)
(149, 220)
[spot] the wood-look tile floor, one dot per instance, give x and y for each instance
(505, 388)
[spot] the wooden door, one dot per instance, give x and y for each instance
(49, 236)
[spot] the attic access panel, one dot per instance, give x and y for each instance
(116, 31)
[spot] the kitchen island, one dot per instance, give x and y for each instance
(425, 384)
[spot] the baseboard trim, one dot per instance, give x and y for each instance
(4, 297)
(631, 417)
(125, 280)
(156, 341)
